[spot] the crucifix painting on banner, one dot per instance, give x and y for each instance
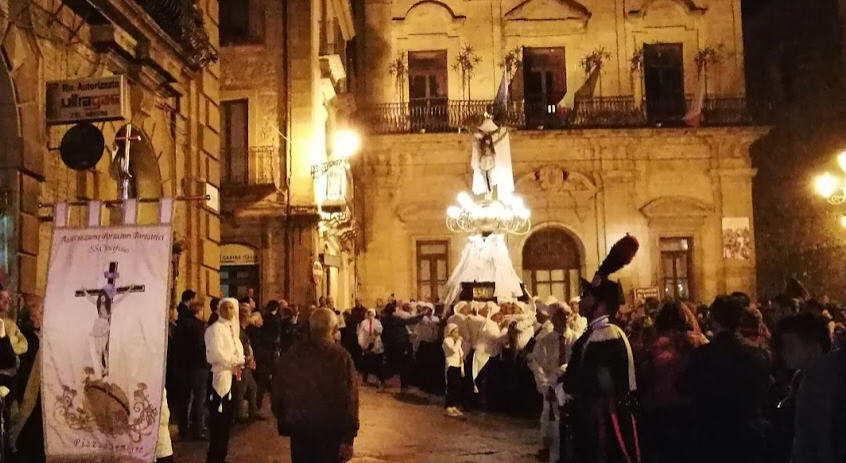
(105, 322)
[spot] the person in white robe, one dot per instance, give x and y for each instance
(548, 362)
(487, 338)
(460, 318)
(369, 333)
(225, 354)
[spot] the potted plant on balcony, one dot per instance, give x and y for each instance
(399, 69)
(704, 59)
(465, 63)
(512, 62)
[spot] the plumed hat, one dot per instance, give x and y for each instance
(603, 289)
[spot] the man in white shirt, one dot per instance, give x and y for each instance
(225, 354)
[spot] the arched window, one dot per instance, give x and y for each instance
(551, 264)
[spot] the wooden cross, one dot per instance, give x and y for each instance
(111, 276)
(123, 160)
(103, 324)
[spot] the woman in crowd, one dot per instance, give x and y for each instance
(665, 413)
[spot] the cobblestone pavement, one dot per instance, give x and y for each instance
(393, 430)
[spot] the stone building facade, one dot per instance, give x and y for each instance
(165, 52)
(599, 92)
(285, 91)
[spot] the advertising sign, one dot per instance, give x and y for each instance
(86, 100)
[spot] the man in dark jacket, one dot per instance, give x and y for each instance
(315, 401)
(726, 382)
(188, 296)
(190, 355)
(398, 349)
(350, 336)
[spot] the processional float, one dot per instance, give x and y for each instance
(487, 215)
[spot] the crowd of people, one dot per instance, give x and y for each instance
(736, 380)
(733, 381)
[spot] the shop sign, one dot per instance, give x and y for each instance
(237, 254)
(642, 294)
(86, 100)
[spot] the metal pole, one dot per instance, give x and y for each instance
(115, 202)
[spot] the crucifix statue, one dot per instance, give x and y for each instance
(104, 298)
(120, 160)
(485, 158)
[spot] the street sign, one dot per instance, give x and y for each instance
(80, 100)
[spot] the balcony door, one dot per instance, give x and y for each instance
(544, 84)
(663, 73)
(234, 141)
(427, 90)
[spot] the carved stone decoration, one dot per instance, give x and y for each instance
(548, 10)
(555, 179)
(553, 186)
(638, 8)
(678, 211)
(532, 18)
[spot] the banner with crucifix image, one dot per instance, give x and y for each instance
(104, 342)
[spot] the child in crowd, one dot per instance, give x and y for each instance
(454, 354)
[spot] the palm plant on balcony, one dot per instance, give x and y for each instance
(512, 61)
(706, 58)
(399, 69)
(465, 63)
(592, 65)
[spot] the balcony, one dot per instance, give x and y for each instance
(183, 21)
(441, 115)
(256, 165)
(251, 182)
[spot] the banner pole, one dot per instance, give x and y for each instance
(115, 202)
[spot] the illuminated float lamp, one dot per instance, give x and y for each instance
(486, 216)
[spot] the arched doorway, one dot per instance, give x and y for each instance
(552, 264)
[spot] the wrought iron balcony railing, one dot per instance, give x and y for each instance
(256, 165)
(442, 115)
(183, 21)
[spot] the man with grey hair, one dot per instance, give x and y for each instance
(315, 395)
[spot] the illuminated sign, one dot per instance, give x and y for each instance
(80, 100)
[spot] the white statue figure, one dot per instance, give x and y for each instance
(491, 160)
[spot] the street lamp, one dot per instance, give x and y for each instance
(832, 187)
(345, 144)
